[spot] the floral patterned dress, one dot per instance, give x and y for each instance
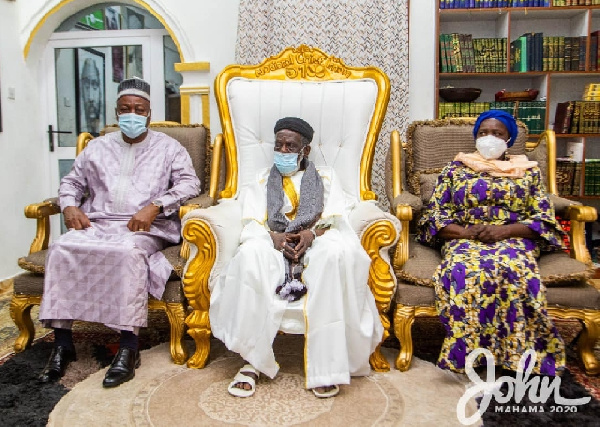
(489, 295)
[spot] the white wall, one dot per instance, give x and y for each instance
(421, 52)
(206, 32)
(22, 167)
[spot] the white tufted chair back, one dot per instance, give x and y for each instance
(344, 105)
(340, 112)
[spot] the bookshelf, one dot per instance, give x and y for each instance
(554, 83)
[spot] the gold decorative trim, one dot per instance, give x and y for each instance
(400, 256)
(176, 314)
(30, 266)
(63, 3)
(377, 237)
(205, 109)
(195, 287)
(217, 151)
(186, 115)
(20, 312)
(550, 138)
(396, 153)
(302, 63)
(41, 212)
(82, 141)
(186, 93)
(401, 274)
(181, 67)
(579, 215)
(195, 89)
(404, 317)
(589, 335)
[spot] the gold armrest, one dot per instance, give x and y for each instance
(202, 201)
(405, 214)
(41, 212)
(579, 215)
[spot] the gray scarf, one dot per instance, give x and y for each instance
(310, 206)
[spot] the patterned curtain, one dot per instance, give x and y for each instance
(360, 32)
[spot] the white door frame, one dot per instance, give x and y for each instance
(153, 69)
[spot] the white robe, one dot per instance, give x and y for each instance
(342, 326)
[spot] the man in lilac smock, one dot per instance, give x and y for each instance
(120, 203)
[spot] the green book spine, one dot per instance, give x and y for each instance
(561, 54)
(524, 47)
(576, 190)
(442, 58)
(545, 53)
(568, 50)
(457, 53)
(450, 54)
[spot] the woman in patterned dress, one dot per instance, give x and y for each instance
(491, 217)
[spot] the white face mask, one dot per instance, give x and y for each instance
(490, 146)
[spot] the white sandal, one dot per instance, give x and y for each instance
(331, 393)
(241, 377)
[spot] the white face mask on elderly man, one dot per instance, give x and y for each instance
(491, 147)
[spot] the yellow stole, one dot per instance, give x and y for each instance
(290, 191)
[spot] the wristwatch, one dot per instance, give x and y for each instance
(158, 204)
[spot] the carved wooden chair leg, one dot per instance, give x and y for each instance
(20, 311)
(176, 315)
(377, 360)
(587, 340)
(199, 329)
(404, 317)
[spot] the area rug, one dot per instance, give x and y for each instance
(163, 393)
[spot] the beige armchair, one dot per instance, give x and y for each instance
(429, 146)
(346, 106)
(29, 286)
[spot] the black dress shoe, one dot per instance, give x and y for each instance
(122, 368)
(57, 364)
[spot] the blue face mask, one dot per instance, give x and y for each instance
(132, 125)
(286, 163)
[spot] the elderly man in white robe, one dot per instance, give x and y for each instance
(120, 202)
(296, 242)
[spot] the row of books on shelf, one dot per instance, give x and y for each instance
(568, 177)
(534, 52)
(577, 117)
(461, 53)
(476, 4)
(531, 113)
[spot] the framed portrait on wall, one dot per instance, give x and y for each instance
(134, 62)
(90, 90)
(135, 20)
(112, 18)
(118, 63)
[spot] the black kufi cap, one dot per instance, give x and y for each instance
(134, 86)
(297, 125)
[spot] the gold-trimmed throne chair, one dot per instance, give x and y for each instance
(29, 286)
(346, 106)
(429, 146)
